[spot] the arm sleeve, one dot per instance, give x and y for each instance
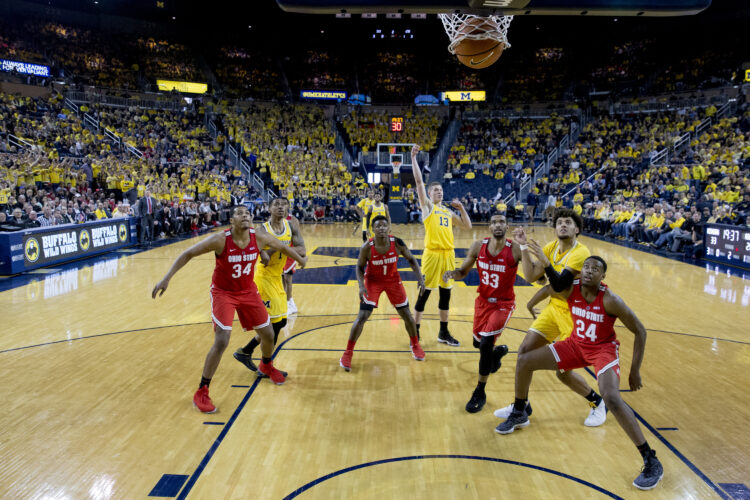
(559, 281)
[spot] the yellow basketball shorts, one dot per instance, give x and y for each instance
(554, 323)
(272, 293)
(434, 264)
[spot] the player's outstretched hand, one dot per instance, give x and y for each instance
(448, 275)
(533, 310)
(634, 379)
(160, 288)
(538, 252)
(519, 235)
(415, 150)
(456, 204)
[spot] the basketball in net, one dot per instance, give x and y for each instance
(478, 42)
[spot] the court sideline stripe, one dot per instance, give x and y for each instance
(674, 450)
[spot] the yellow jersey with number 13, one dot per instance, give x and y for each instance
(438, 228)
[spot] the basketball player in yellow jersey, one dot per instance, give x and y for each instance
(376, 208)
(439, 251)
(363, 208)
(561, 260)
(268, 275)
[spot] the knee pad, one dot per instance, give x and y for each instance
(422, 300)
(445, 298)
(485, 355)
(277, 329)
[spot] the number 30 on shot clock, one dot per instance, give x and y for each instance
(397, 124)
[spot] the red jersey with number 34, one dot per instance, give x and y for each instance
(383, 267)
(591, 323)
(497, 274)
(235, 267)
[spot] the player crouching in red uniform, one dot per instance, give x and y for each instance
(377, 272)
(497, 263)
(594, 309)
(237, 252)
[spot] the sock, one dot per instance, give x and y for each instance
(593, 397)
(265, 361)
(250, 347)
(443, 326)
(519, 405)
(350, 345)
(417, 328)
(204, 381)
(480, 387)
(414, 340)
(644, 449)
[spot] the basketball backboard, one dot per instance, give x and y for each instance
(502, 7)
(387, 153)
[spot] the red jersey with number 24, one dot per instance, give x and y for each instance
(383, 267)
(591, 323)
(235, 267)
(497, 274)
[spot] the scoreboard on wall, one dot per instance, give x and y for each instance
(728, 244)
(397, 124)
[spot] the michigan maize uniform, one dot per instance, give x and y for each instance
(439, 255)
(268, 277)
(555, 323)
(374, 212)
(365, 204)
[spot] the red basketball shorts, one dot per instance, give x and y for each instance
(290, 266)
(394, 290)
(490, 318)
(249, 306)
(571, 354)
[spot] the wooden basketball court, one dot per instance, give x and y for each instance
(98, 382)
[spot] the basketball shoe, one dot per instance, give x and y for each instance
(516, 419)
(416, 351)
(477, 401)
(446, 338)
(497, 357)
(346, 360)
(651, 473)
(202, 401)
(291, 307)
(505, 412)
(597, 415)
(276, 376)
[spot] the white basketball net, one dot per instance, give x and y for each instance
(396, 165)
(491, 27)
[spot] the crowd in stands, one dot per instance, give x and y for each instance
(247, 73)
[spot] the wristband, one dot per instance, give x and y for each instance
(524, 247)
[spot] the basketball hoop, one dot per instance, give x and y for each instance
(485, 37)
(396, 166)
(482, 28)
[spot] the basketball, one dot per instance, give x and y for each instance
(478, 54)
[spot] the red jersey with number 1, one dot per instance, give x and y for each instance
(235, 267)
(591, 323)
(383, 267)
(497, 274)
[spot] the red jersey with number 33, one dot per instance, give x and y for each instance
(235, 267)
(591, 323)
(383, 267)
(497, 274)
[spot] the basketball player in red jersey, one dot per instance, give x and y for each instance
(497, 261)
(377, 272)
(594, 309)
(237, 252)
